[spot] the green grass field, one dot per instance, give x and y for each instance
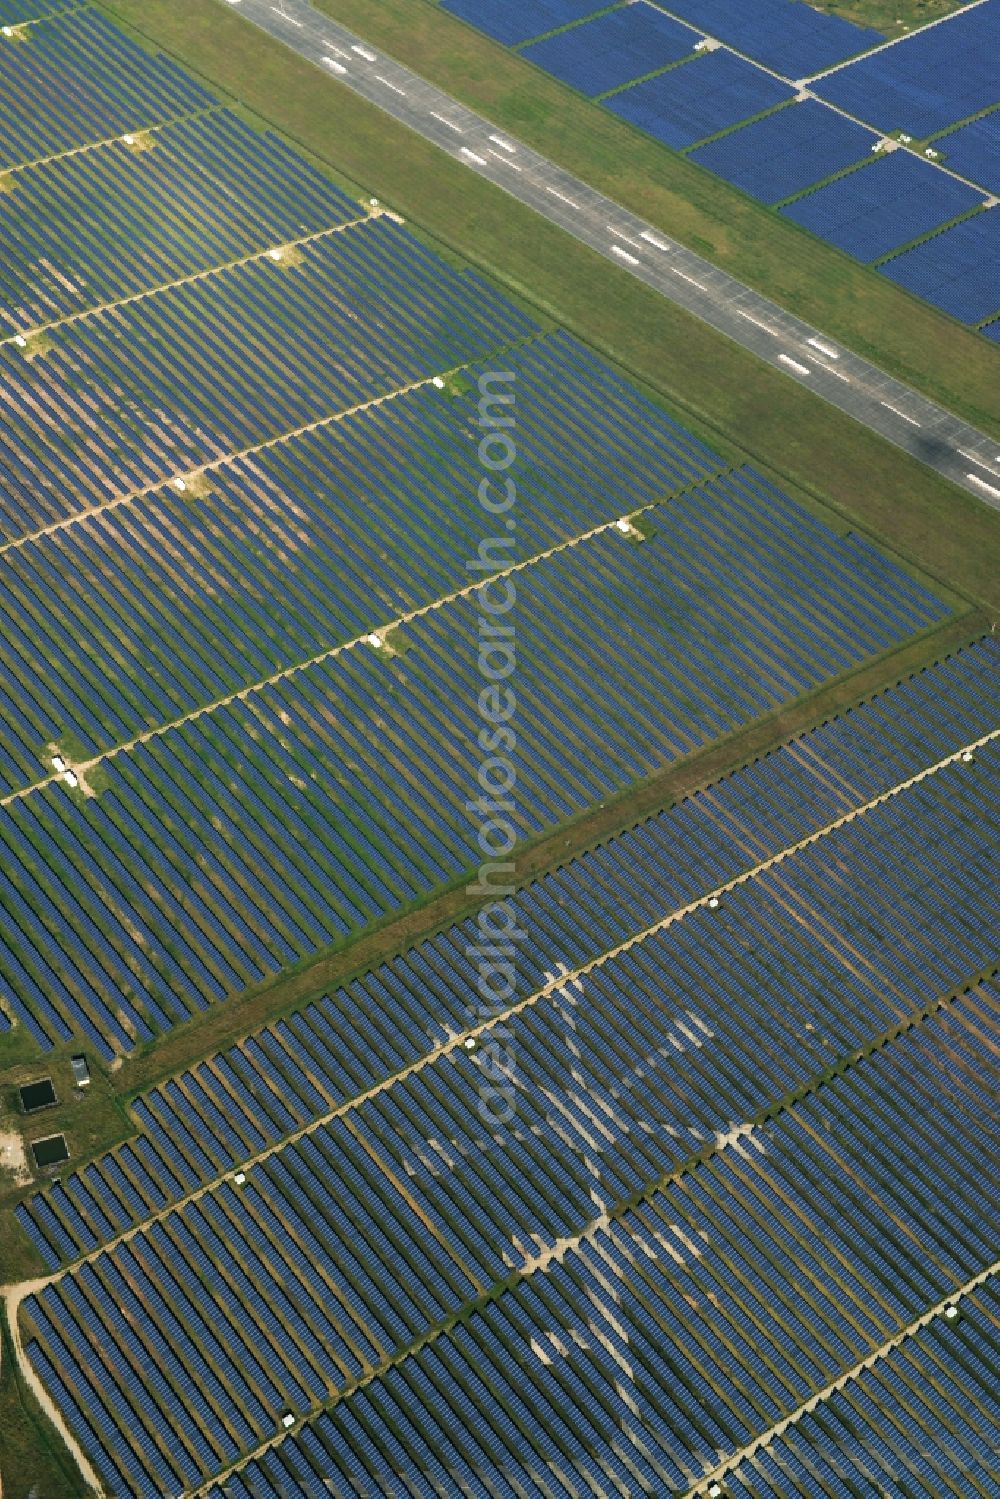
(891, 17)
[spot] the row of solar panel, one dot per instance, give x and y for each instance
(923, 83)
(311, 543)
(235, 843)
(730, 1294)
(96, 226)
(923, 1419)
(267, 349)
(205, 1122)
(928, 81)
(77, 79)
(16, 12)
(790, 39)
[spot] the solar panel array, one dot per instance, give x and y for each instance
(736, 1267)
(924, 1420)
(925, 1416)
(277, 816)
(14, 12)
(613, 48)
(394, 1211)
(152, 206)
(206, 1121)
(516, 23)
(974, 151)
(787, 151)
(788, 37)
(926, 81)
(77, 79)
(711, 93)
(183, 589)
(171, 384)
(133, 910)
(883, 205)
(959, 270)
(680, 1235)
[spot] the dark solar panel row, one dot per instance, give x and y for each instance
(165, 212)
(796, 1247)
(787, 151)
(959, 270)
(656, 1341)
(711, 93)
(928, 81)
(308, 544)
(513, 22)
(786, 36)
(106, 85)
(974, 151)
(613, 48)
(883, 205)
(233, 844)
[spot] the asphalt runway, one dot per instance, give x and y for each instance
(894, 410)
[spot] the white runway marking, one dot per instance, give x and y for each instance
(975, 458)
(901, 414)
(450, 123)
(757, 322)
(685, 277)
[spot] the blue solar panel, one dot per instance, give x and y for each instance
(992, 330)
(789, 37)
(885, 204)
(787, 151)
(959, 271)
(974, 151)
(512, 23)
(611, 49)
(928, 81)
(14, 11)
(706, 95)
